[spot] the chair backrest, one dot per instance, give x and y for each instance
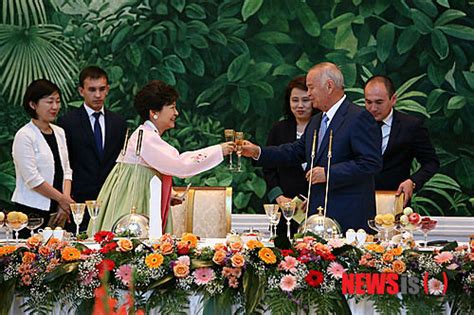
(387, 202)
(206, 212)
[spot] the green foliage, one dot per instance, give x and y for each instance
(231, 60)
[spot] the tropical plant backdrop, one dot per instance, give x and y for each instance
(230, 61)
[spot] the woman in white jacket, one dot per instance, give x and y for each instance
(43, 175)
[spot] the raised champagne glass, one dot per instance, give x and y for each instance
(270, 211)
(288, 210)
(93, 207)
(77, 210)
(229, 137)
(239, 141)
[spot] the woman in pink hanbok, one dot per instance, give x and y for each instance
(144, 179)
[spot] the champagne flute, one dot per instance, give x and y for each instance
(239, 140)
(270, 211)
(93, 206)
(34, 223)
(229, 137)
(77, 210)
(288, 210)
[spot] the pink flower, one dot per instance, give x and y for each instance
(124, 273)
(336, 243)
(443, 257)
(203, 276)
(453, 266)
(435, 286)
(233, 282)
(184, 260)
(88, 278)
(336, 270)
(288, 283)
(288, 264)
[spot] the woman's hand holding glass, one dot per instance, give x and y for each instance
(227, 148)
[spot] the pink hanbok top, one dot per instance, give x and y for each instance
(158, 155)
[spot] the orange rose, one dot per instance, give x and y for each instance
(33, 241)
(219, 257)
(220, 246)
(397, 251)
(154, 260)
(301, 246)
(237, 260)
(6, 250)
(28, 257)
(236, 246)
(379, 249)
(44, 251)
(70, 253)
(166, 248)
(267, 255)
(398, 266)
(180, 270)
(387, 257)
(125, 245)
(251, 244)
(191, 239)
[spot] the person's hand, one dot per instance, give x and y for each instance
(319, 175)
(227, 148)
(282, 199)
(176, 198)
(407, 188)
(64, 203)
(250, 150)
(61, 216)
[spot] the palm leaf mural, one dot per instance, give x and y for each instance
(32, 49)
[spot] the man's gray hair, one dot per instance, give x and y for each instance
(329, 71)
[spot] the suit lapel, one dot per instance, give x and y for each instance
(334, 125)
(89, 134)
(394, 131)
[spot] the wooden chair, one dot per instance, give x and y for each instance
(206, 212)
(387, 202)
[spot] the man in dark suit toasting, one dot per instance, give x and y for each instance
(404, 138)
(94, 136)
(356, 156)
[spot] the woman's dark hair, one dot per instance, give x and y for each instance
(36, 91)
(154, 95)
(299, 83)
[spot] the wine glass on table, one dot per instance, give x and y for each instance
(288, 210)
(427, 224)
(16, 221)
(34, 223)
(239, 141)
(77, 210)
(93, 206)
(270, 211)
(229, 137)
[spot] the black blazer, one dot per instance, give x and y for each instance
(356, 158)
(408, 140)
(88, 171)
(290, 179)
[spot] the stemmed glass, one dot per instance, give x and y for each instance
(427, 225)
(93, 206)
(275, 219)
(16, 225)
(239, 140)
(229, 137)
(385, 229)
(270, 211)
(77, 210)
(34, 223)
(288, 209)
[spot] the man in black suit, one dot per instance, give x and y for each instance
(356, 156)
(404, 138)
(94, 137)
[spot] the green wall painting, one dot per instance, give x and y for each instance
(230, 61)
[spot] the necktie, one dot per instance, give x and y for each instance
(380, 123)
(98, 134)
(322, 129)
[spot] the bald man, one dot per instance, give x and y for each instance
(356, 151)
(404, 138)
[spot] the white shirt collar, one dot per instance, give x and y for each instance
(332, 111)
(90, 111)
(389, 119)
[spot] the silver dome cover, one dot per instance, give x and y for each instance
(321, 226)
(132, 225)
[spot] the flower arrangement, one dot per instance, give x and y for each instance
(164, 274)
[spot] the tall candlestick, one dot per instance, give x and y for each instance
(327, 175)
(313, 154)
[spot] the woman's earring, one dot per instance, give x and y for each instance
(155, 117)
